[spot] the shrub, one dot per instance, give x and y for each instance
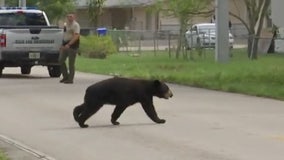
(94, 46)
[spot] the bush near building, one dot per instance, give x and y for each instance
(94, 46)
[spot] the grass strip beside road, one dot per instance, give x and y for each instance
(3, 156)
(262, 77)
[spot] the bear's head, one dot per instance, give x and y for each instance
(162, 90)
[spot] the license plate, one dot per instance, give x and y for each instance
(34, 55)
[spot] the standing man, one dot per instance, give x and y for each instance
(69, 49)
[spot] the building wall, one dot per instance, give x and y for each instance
(84, 22)
(277, 6)
(139, 19)
(121, 18)
(238, 7)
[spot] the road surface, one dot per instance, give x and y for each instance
(36, 114)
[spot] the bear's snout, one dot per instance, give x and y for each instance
(168, 95)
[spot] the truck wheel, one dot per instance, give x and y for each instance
(54, 71)
(26, 69)
(1, 70)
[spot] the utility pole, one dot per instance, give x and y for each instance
(222, 30)
(2, 3)
(22, 3)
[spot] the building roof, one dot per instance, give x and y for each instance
(118, 3)
(127, 3)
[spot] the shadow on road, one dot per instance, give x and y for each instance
(123, 125)
(21, 76)
(106, 126)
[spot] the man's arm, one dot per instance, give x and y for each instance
(75, 37)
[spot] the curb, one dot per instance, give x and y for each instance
(18, 151)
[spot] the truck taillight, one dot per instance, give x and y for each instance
(3, 40)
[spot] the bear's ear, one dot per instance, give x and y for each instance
(157, 83)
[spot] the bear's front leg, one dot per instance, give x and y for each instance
(160, 121)
(116, 114)
(151, 113)
(82, 125)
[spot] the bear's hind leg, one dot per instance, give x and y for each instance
(116, 114)
(77, 112)
(86, 114)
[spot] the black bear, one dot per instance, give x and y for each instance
(121, 92)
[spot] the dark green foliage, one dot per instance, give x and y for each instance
(55, 9)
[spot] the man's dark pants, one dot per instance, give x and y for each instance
(68, 73)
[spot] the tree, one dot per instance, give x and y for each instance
(95, 10)
(183, 10)
(55, 9)
(257, 11)
(12, 3)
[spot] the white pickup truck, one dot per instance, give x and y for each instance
(27, 39)
(204, 35)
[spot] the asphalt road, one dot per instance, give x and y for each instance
(36, 115)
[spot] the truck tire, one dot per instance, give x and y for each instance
(54, 71)
(1, 70)
(26, 69)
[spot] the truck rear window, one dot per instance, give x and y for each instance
(22, 19)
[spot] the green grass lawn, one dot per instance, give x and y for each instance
(262, 77)
(3, 156)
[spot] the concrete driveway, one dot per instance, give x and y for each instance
(36, 116)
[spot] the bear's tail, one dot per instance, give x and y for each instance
(77, 112)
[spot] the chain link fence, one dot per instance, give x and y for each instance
(135, 40)
(147, 40)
